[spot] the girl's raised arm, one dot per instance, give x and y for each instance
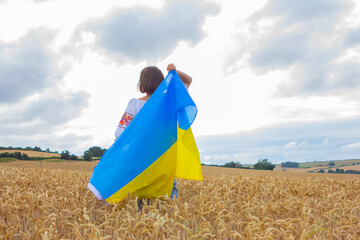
(186, 79)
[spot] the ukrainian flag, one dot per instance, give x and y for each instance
(157, 146)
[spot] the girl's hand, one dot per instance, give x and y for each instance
(183, 76)
(171, 67)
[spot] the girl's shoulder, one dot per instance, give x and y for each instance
(135, 105)
(135, 101)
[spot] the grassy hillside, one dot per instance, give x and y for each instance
(338, 163)
(7, 159)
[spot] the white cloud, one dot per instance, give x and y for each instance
(28, 66)
(141, 33)
(351, 146)
(306, 39)
(292, 144)
(352, 38)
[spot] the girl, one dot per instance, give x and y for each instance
(150, 79)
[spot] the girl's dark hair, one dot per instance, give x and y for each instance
(150, 79)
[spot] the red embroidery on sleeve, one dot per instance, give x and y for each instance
(125, 120)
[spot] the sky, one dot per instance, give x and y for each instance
(272, 79)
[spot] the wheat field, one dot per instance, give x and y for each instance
(56, 204)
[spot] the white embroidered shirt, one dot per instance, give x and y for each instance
(132, 109)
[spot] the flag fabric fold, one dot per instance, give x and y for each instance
(157, 146)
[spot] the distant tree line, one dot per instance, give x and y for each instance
(342, 171)
(227, 165)
(66, 155)
(17, 155)
(92, 152)
(290, 164)
(95, 151)
(36, 148)
(262, 164)
(22, 156)
(351, 171)
(233, 165)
